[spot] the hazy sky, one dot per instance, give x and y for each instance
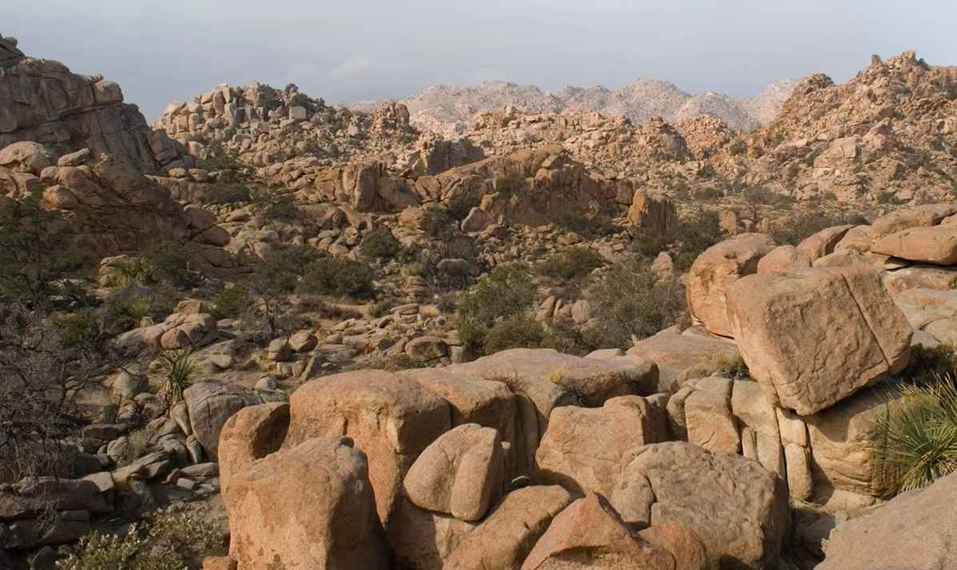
(350, 50)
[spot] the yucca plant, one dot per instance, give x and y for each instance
(178, 367)
(917, 436)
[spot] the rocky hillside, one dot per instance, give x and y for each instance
(270, 332)
(449, 110)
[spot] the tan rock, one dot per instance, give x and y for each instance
(783, 322)
(210, 405)
(752, 409)
(652, 213)
(937, 244)
(683, 544)
(249, 435)
(913, 217)
(799, 475)
(461, 473)
(392, 419)
(713, 273)
(708, 416)
(737, 508)
(306, 506)
(507, 536)
(784, 258)
(422, 539)
(823, 242)
(681, 356)
(917, 531)
(584, 449)
(589, 534)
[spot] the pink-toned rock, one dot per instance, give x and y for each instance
(912, 217)
(584, 449)
(590, 534)
(306, 506)
(815, 337)
(461, 473)
(784, 258)
(391, 418)
(249, 435)
(937, 245)
(823, 242)
(713, 273)
(504, 540)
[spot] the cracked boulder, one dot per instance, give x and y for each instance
(814, 337)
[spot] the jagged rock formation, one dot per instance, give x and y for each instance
(42, 101)
(449, 110)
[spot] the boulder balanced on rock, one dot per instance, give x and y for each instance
(814, 337)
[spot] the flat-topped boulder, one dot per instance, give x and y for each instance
(936, 244)
(683, 355)
(814, 337)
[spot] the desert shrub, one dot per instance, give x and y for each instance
(517, 331)
(380, 244)
(390, 362)
(277, 205)
(380, 309)
(697, 231)
(732, 367)
(573, 263)
(800, 225)
(630, 301)
(178, 370)
(437, 221)
(505, 292)
(126, 308)
(916, 438)
(928, 364)
(231, 302)
(567, 339)
(227, 194)
(338, 276)
(134, 271)
(166, 542)
(761, 195)
(169, 262)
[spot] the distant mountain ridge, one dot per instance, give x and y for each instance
(448, 109)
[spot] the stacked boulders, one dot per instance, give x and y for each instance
(490, 464)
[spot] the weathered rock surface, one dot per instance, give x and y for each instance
(585, 449)
(917, 531)
(391, 418)
(461, 473)
(813, 338)
(507, 536)
(589, 534)
(210, 405)
(713, 273)
(269, 521)
(684, 355)
(737, 508)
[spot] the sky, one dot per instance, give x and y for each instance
(360, 50)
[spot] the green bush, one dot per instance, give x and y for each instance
(231, 302)
(506, 292)
(517, 331)
(126, 308)
(917, 436)
(178, 370)
(380, 244)
(169, 262)
(573, 263)
(630, 301)
(277, 205)
(338, 276)
(438, 222)
(698, 231)
(168, 541)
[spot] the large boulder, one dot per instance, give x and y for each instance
(589, 534)
(210, 405)
(681, 356)
(422, 539)
(584, 449)
(813, 338)
(823, 242)
(708, 418)
(913, 217)
(506, 537)
(544, 379)
(713, 273)
(916, 531)
(391, 418)
(937, 245)
(250, 434)
(737, 508)
(306, 506)
(460, 474)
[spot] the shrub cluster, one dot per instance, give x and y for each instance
(570, 264)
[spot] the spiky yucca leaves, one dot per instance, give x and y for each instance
(178, 366)
(917, 436)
